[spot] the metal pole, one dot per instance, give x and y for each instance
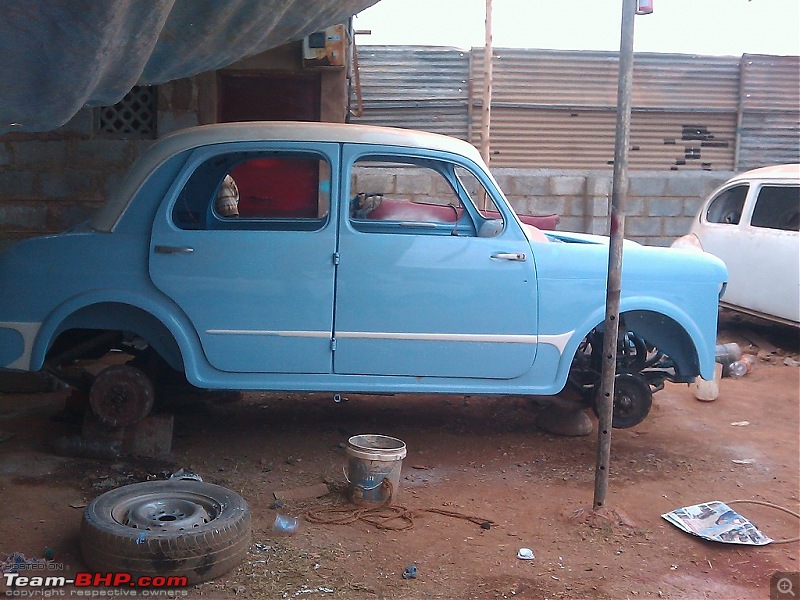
(619, 188)
(487, 84)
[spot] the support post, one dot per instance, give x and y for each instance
(486, 104)
(605, 400)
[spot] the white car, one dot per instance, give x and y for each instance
(752, 223)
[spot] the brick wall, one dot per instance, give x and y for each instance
(54, 180)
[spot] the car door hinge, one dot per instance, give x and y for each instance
(333, 344)
(336, 258)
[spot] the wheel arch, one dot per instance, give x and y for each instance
(666, 326)
(165, 330)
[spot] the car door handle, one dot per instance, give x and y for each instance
(518, 256)
(174, 249)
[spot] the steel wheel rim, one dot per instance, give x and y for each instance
(166, 511)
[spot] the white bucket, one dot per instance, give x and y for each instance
(374, 463)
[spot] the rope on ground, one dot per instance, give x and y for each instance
(392, 518)
(775, 506)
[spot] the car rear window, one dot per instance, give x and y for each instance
(727, 206)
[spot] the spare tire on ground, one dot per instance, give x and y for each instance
(166, 528)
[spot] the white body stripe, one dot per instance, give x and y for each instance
(28, 332)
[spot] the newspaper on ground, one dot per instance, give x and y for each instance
(717, 522)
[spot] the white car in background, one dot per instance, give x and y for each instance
(752, 224)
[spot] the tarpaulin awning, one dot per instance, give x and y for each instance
(57, 56)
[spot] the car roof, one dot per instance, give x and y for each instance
(789, 172)
(253, 131)
(311, 131)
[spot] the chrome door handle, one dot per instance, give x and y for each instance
(518, 256)
(174, 249)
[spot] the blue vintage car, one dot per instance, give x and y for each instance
(326, 257)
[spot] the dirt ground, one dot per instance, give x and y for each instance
(479, 456)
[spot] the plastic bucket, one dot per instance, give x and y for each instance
(373, 468)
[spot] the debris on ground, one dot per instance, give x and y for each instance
(525, 554)
(186, 474)
(410, 572)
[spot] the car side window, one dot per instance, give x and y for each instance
(413, 196)
(256, 190)
(727, 206)
(777, 207)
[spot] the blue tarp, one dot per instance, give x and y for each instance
(57, 56)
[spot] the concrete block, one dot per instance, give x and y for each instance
(659, 242)
(414, 182)
(567, 186)
(570, 224)
(691, 206)
(529, 185)
(100, 151)
(27, 216)
(84, 185)
(39, 153)
(63, 215)
(520, 205)
(677, 226)
(574, 207)
(598, 186)
(600, 206)
(640, 185)
(139, 147)
(373, 181)
(642, 226)
(665, 207)
(545, 205)
(169, 121)
(504, 180)
(598, 226)
(634, 207)
(682, 185)
(16, 184)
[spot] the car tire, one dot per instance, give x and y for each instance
(166, 528)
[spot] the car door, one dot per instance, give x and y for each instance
(258, 284)
(751, 228)
(768, 261)
(426, 286)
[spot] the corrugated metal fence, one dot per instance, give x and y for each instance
(557, 109)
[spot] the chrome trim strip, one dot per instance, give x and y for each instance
(305, 334)
(558, 340)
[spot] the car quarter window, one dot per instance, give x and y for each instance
(256, 190)
(777, 207)
(409, 195)
(727, 206)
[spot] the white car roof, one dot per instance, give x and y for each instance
(790, 172)
(187, 139)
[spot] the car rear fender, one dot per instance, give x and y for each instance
(166, 329)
